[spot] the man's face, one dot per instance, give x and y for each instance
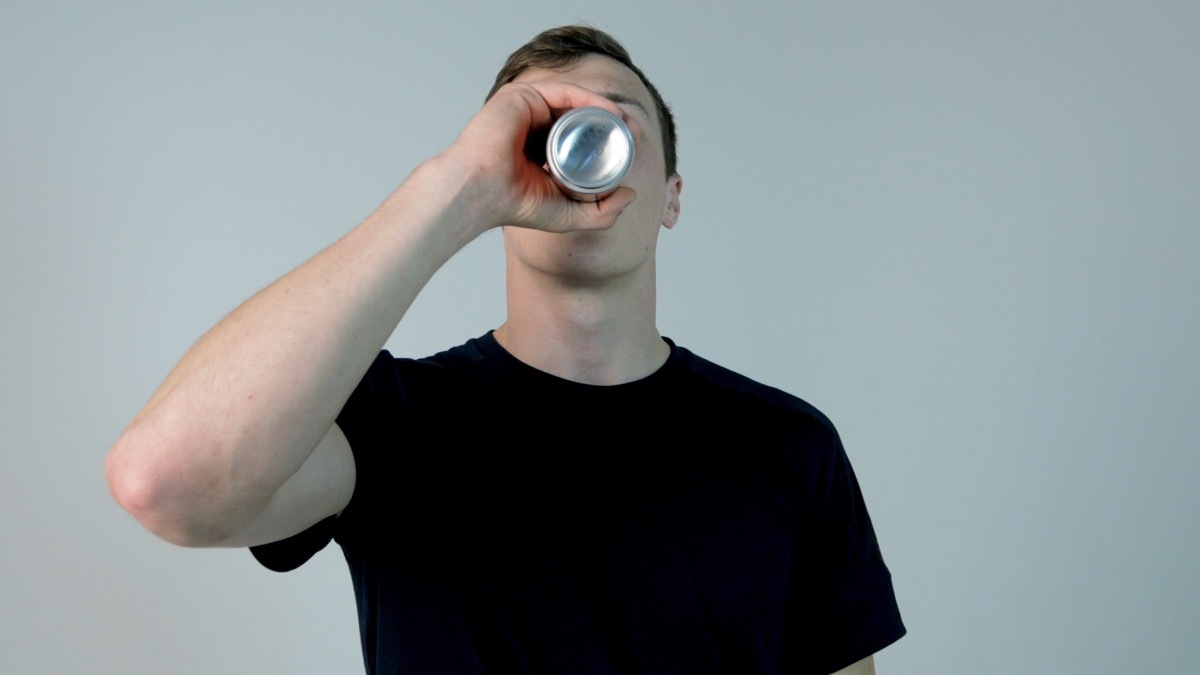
(628, 247)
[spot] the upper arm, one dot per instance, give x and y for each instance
(322, 487)
(863, 667)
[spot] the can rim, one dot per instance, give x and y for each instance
(556, 132)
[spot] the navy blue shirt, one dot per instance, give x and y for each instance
(505, 520)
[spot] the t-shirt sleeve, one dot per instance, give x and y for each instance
(850, 609)
(286, 555)
(358, 420)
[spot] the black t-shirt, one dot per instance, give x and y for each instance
(505, 520)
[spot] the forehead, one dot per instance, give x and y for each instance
(602, 75)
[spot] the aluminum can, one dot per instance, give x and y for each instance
(588, 152)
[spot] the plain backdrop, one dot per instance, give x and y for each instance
(968, 232)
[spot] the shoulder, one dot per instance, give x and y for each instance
(397, 385)
(748, 395)
(464, 358)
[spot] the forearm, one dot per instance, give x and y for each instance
(247, 404)
(245, 408)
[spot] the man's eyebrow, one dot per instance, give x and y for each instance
(617, 97)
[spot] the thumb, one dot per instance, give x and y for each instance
(603, 214)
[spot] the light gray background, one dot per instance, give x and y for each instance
(968, 232)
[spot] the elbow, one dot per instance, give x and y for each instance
(157, 496)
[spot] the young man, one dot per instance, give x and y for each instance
(569, 493)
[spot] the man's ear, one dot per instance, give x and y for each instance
(671, 209)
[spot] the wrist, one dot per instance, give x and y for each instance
(438, 205)
(474, 196)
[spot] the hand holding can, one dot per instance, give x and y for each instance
(588, 152)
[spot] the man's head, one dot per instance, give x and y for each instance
(564, 47)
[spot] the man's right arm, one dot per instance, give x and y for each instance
(239, 446)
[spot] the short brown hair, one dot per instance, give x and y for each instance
(563, 47)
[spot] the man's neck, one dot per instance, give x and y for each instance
(601, 335)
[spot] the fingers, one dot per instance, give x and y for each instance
(547, 101)
(518, 110)
(500, 142)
